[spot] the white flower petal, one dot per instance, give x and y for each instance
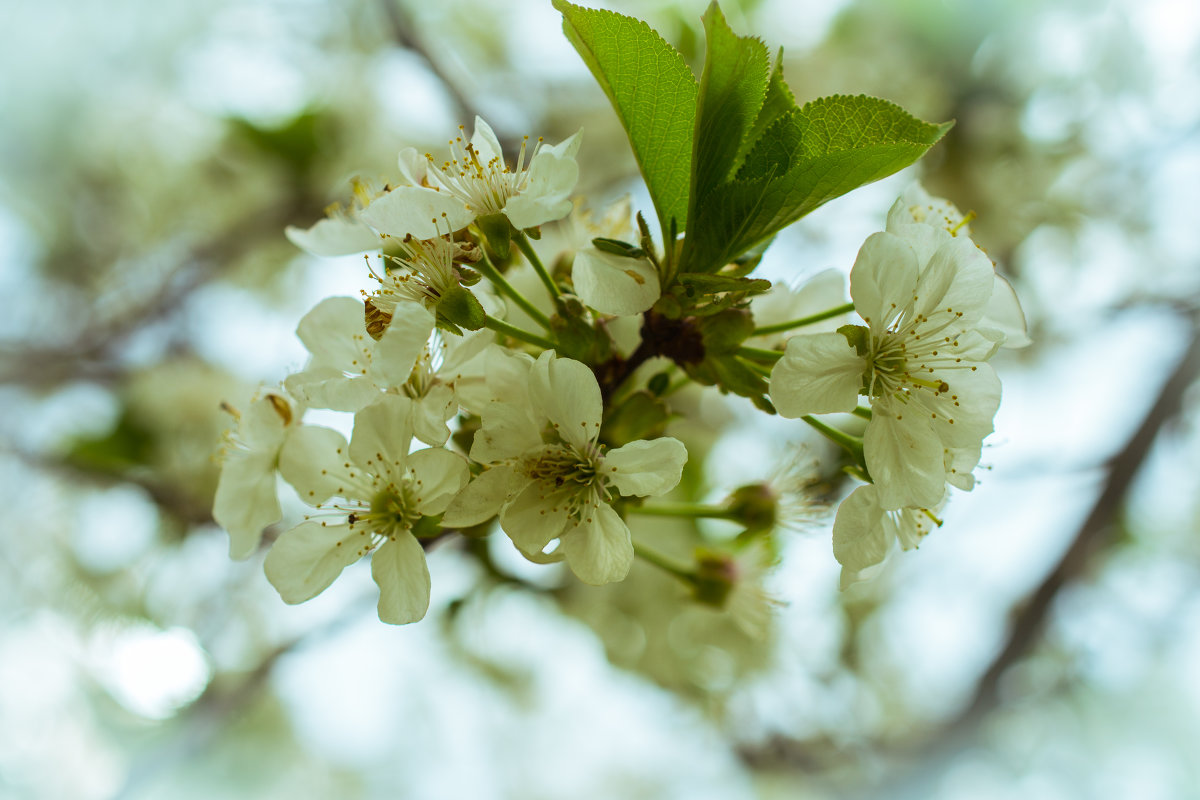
(819, 373)
(485, 142)
(645, 468)
(412, 210)
(382, 436)
(432, 412)
(825, 290)
(313, 461)
(246, 501)
(1004, 317)
(305, 560)
(438, 475)
(402, 575)
(335, 332)
(859, 538)
(397, 351)
(567, 394)
(958, 279)
(535, 517)
(412, 166)
(599, 549)
(971, 401)
(334, 237)
(483, 497)
(614, 284)
(904, 457)
(883, 279)
(327, 387)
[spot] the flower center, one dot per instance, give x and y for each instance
(560, 465)
(391, 512)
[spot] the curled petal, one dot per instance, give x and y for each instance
(614, 284)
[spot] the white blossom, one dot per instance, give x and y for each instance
(549, 478)
(342, 232)
(863, 531)
(382, 494)
(919, 360)
(1003, 320)
(476, 182)
(246, 501)
(349, 368)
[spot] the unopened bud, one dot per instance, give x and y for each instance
(755, 505)
(716, 573)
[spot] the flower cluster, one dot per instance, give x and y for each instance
(934, 311)
(552, 421)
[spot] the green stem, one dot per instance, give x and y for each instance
(500, 326)
(841, 438)
(693, 510)
(862, 411)
(780, 327)
(489, 271)
(759, 354)
(538, 267)
(664, 563)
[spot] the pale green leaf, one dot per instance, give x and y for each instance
(804, 159)
(653, 93)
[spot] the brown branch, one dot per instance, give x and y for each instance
(403, 33)
(1093, 535)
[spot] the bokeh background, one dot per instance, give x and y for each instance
(1044, 644)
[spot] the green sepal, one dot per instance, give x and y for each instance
(859, 337)
(497, 231)
(460, 306)
(467, 276)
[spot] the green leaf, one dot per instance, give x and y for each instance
(803, 160)
(778, 102)
(653, 93)
(732, 88)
